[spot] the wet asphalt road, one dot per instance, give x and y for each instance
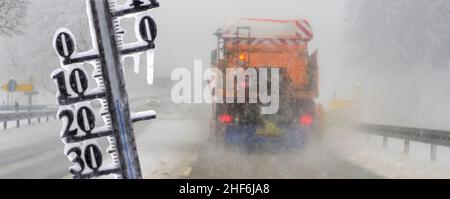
(313, 162)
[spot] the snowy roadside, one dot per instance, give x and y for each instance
(32, 152)
(29, 134)
(167, 146)
(168, 153)
(367, 152)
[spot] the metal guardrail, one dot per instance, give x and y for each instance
(26, 108)
(18, 113)
(428, 136)
(18, 116)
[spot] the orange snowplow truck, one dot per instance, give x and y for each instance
(267, 43)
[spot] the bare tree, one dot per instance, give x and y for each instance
(12, 13)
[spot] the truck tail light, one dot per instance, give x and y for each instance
(306, 119)
(226, 119)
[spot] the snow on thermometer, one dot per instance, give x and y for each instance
(77, 95)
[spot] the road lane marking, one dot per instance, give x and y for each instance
(187, 172)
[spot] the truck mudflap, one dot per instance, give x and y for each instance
(294, 136)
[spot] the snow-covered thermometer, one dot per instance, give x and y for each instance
(83, 126)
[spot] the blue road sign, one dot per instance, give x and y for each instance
(12, 86)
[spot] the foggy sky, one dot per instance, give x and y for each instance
(186, 28)
(185, 33)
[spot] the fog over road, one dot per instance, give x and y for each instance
(176, 145)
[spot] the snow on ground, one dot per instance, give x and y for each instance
(166, 150)
(368, 153)
(29, 134)
(169, 144)
(32, 152)
(165, 145)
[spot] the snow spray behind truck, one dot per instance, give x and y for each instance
(266, 43)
